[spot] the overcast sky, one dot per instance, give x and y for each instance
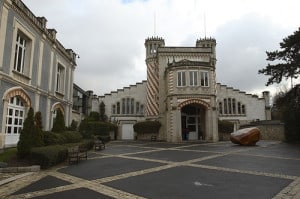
(109, 36)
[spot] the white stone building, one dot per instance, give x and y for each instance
(36, 71)
(182, 93)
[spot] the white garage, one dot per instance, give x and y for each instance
(127, 132)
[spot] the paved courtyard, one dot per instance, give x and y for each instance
(165, 170)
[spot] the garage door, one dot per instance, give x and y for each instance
(127, 132)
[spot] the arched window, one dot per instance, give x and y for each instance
(113, 109)
(229, 106)
(233, 106)
(225, 106)
(132, 106)
(118, 107)
(243, 109)
(220, 108)
(239, 108)
(15, 116)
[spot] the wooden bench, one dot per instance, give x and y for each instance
(99, 145)
(76, 153)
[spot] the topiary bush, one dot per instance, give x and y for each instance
(49, 155)
(88, 129)
(71, 136)
(51, 138)
(59, 122)
(147, 127)
(225, 126)
(30, 136)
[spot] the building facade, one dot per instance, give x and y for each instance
(182, 93)
(36, 71)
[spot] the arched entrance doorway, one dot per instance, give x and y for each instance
(15, 106)
(193, 122)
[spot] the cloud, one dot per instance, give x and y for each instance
(241, 48)
(109, 35)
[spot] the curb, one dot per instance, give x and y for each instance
(33, 168)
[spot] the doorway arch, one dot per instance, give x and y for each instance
(193, 119)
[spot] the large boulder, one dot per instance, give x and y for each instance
(247, 136)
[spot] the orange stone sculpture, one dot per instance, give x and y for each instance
(246, 137)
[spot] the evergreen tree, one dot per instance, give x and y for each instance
(24, 143)
(38, 119)
(289, 106)
(38, 131)
(59, 122)
(287, 60)
(102, 115)
(30, 136)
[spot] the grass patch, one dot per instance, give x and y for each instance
(8, 154)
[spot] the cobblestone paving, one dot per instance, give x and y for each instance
(145, 152)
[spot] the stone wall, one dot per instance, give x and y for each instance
(270, 130)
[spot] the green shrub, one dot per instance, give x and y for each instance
(59, 122)
(51, 138)
(94, 116)
(88, 144)
(30, 136)
(147, 127)
(71, 136)
(49, 155)
(73, 126)
(225, 126)
(7, 154)
(88, 129)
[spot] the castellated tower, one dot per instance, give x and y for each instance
(151, 45)
(208, 43)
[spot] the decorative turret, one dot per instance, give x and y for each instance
(151, 45)
(208, 43)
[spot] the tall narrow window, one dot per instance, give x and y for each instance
(193, 78)
(181, 78)
(137, 108)
(123, 106)
(15, 116)
(233, 106)
(132, 106)
(114, 109)
(229, 106)
(118, 107)
(127, 105)
(60, 79)
(204, 78)
(239, 108)
(243, 109)
(225, 106)
(142, 109)
(220, 108)
(20, 51)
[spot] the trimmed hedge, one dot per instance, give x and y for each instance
(90, 128)
(51, 138)
(49, 156)
(147, 127)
